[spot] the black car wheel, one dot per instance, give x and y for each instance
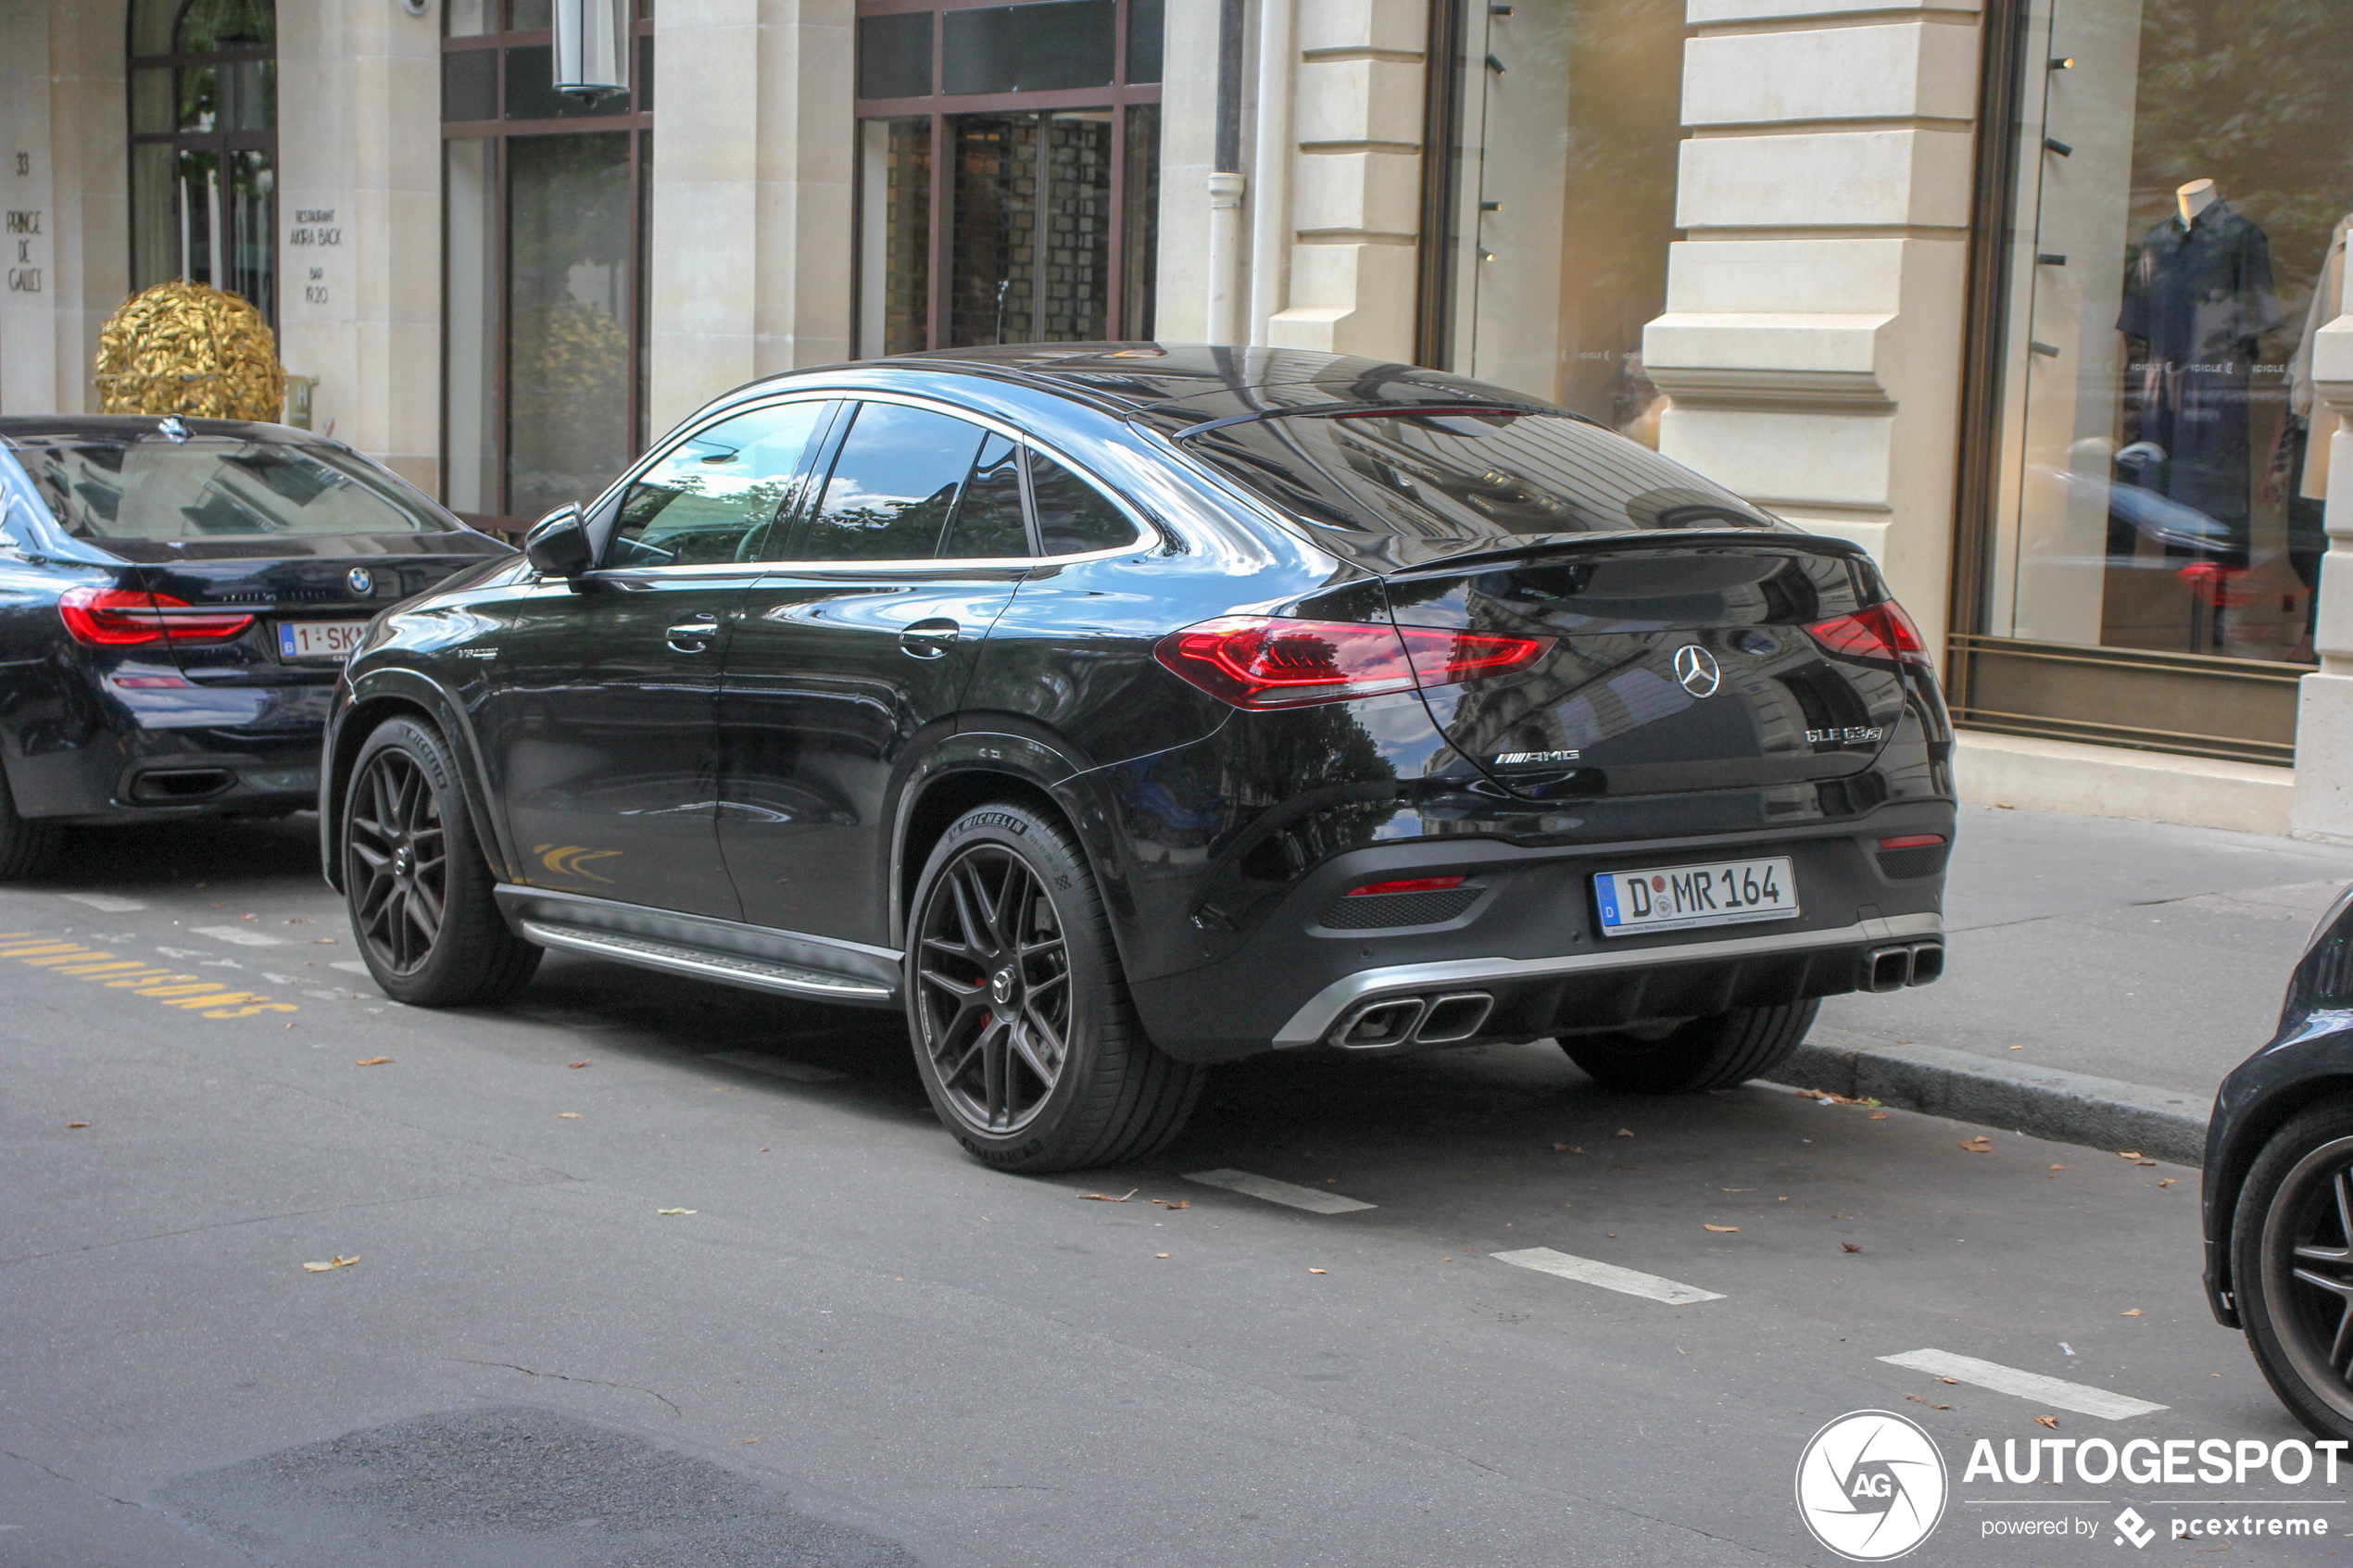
(1703, 1053)
(2291, 1266)
(416, 883)
(1024, 1033)
(26, 848)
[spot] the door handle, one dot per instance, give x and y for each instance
(692, 635)
(929, 639)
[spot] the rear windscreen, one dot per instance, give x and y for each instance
(204, 489)
(1457, 475)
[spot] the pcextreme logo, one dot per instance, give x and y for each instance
(1870, 1485)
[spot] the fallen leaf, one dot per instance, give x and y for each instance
(373, 1061)
(2017, 1048)
(1159, 1254)
(2133, 1314)
(1979, 1145)
(1850, 1246)
(1166, 1203)
(677, 1210)
(2144, 1163)
(77, 1124)
(1879, 1115)
(1953, 1381)
(2058, 1167)
(568, 1115)
(2049, 1420)
(1107, 1197)
(335, 1262)
(1722, 1230)
(751, 1439)
(1315, 1271)
(2169, 1180)
(747, 1440)
(1918, 1400)
(2128, 1154)
(1625, 1132)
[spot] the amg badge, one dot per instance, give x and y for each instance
(1514, 758)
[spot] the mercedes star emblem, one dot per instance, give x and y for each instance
(1696, 669)
(362, 584)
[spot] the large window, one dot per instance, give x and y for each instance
(1008, 172)
(543, 229)
(2142, 544)
(1551, 198)
(204, 146)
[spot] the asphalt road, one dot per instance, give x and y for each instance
(846, 1344)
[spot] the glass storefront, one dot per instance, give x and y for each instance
(1555, 203)
(204, 146)
(2141, 565)
(1008, 172)
(544, 201)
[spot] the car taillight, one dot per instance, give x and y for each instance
(1911, 840)
(1261, 661)
(1408, 884)
(120, 618)
(1882, 631)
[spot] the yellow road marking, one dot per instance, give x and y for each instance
(212, 999)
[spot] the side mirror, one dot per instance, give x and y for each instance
(558, 543)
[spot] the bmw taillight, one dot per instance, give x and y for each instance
(1262, 661)
(121, 618)
(1882, 631)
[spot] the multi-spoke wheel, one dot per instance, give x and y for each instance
(415, 881)
(2291, 1266)
(1023, 1029)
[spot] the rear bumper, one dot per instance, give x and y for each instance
(142, 774)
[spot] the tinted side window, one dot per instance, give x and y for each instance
(1073, 516)
(711, 496)
(893, 488)
(991, 523)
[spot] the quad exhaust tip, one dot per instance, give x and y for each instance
(1422, 1020)
(1892, 969)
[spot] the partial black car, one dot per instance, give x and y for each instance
(1118, 710)
(176, 596)
(2279, 1188)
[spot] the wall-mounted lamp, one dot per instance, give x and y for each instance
(592, 47)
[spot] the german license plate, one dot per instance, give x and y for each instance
(1679, 898)
(318, 639)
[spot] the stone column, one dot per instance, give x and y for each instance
(2325, 700)
(1356, 179)
(1812, 341)
(360, 225)
(749, 249)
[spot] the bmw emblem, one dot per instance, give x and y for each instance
(1695, 669)
(361, 582)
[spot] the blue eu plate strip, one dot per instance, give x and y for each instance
(1606, 889)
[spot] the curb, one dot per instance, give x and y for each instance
(2047, 1102)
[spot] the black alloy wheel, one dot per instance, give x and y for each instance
(1024, 1033)
(419, 891)
(2291, 1266)
(1698, 1054)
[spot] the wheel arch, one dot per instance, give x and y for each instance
(2228, 1167)
(377, 697)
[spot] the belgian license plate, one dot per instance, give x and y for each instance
(1678, 897)
(318, 639)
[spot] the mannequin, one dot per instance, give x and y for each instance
(2199, 295)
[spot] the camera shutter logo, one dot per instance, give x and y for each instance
(1695, 669)
(1871, 1485)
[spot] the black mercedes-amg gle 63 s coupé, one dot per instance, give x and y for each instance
(1118, 710)
(176, 596)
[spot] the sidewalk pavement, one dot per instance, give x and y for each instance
(2103, 976)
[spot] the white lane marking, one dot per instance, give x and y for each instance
(1609, 1276)
(240, 935)
(2080, 1397)
(350, 966)
(777, 1067)
(107, 902)
(1273, 1191)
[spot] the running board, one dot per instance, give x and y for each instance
(757, 974)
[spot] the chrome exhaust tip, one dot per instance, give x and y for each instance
(1455, 1017)
(1887, 969)
(1928, 964)
(1388, 1022)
